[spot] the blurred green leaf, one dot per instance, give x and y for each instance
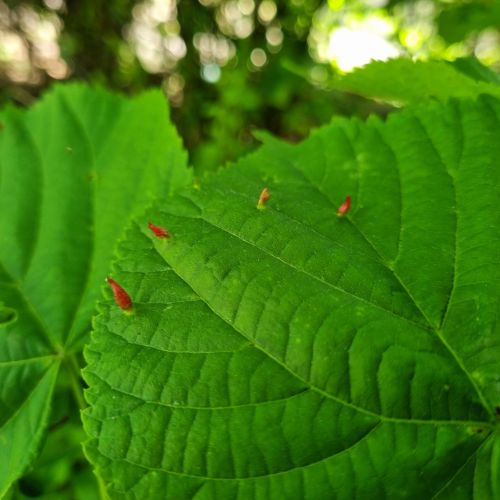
(74, 169)
(474, 69)
(457, 21)
(404, 80)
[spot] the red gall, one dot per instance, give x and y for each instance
(263, 198)
(344, 208)
(122, 298)
(158, 231)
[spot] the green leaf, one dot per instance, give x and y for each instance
(74, 169)
(22, 430)
(290, 353)
(471, 67)
(61, 470)
(404, 80)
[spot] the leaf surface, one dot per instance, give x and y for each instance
(290, 353)
(73, 169)
(404, 80)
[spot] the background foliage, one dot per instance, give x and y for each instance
(207, 54)
(73, 173)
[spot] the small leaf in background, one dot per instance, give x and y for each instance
(457, 22)
(404, 80)
(289, 353)
(74, 169)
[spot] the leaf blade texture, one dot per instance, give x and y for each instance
(290, 353)
(406, 81)
(73, 169)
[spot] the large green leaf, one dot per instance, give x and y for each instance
(404, 80)
(73, 169)
(289, 353)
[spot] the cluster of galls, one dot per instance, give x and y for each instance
(122, 298)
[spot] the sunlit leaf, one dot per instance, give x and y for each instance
(404, 80)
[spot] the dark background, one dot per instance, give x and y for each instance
(230, 66)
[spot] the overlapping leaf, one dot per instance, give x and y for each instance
(73, 169)
(404, 80)
(288, 353)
